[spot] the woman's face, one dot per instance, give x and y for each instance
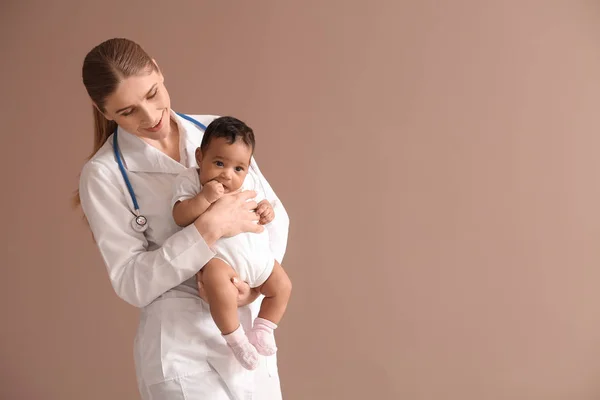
(141, 105)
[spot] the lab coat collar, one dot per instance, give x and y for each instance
(139, 156)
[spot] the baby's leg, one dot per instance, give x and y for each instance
(277, 290)
(221, 295)
(222, 299)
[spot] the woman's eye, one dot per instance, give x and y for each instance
(153, 95)
(125, 114)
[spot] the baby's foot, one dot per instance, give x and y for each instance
(243, 351)
(246, 354)
(263, 337)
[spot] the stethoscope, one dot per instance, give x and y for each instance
(139, 222)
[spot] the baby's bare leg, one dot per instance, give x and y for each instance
(221, 294)
(222, 299)
(277, 290)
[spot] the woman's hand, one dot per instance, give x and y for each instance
(230, 215)
(246, 295)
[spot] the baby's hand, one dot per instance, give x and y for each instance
(265, 212)
(213, 191)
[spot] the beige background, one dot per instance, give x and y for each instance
(439, 161)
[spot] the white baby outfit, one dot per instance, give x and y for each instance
(249, 254)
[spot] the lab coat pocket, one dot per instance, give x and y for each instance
(172, 341)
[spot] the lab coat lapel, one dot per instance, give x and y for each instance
(139, 156)
(190, 140)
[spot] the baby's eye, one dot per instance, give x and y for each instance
(219, 163)
(239, 169)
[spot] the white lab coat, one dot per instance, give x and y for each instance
(179, 353)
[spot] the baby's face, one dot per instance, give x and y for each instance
(226, 163)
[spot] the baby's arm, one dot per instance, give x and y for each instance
(187, 211)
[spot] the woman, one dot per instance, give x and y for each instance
(179, 352)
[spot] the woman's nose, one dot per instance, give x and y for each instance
(146, 115)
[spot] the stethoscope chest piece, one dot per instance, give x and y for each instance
(139, 223)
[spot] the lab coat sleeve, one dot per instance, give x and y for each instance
(278, 228)
(137, 275)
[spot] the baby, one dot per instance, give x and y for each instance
(223, 159)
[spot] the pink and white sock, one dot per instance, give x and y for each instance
(243, 351)
(263, 337)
